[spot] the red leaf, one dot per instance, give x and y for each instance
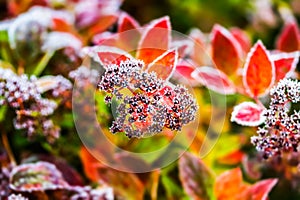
(261, 189)
(285, 64)
(248, 114)
(214, 79)
(128, 32)
(126, 22)
(155, 40)
(226, 51)
(242, 38)
(124, 184)
(196, 178)
(110, 55)
(164, 65)
(289, 38)
(183, 72)
(259, 71)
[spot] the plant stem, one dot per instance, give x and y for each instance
(7, 148)
(43, 63)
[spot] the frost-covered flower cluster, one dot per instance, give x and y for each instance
(151, 105)
(24, 95)
(281, 130)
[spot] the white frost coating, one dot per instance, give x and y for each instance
(59, 40)
(41, 15)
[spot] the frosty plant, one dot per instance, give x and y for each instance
(151, 104)
(148, 102)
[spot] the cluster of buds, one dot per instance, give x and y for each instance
(281, 130)
(146, 103)
(24, 95)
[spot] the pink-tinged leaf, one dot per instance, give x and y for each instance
(183, 47)
(110, 55)
(242, 38)
(214, 79)
(38, 176)
(164, 65)
(289, 38)
(261, 189)
(248, 114)
(285, 64)
(226, 51)
(155, 40)
(199, 54)
(196, 178)
(106, 39)
(252, 167)
(183, 72)
(259, 71)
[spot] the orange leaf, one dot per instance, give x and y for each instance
(229, 185)
(155, 40)
(164, 65)
(285, 64)
(226, 51)
(259, 71)
(90, 165)
(289, 39)
(233, 158)
(102, 24)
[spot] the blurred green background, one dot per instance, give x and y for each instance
(261, 18)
